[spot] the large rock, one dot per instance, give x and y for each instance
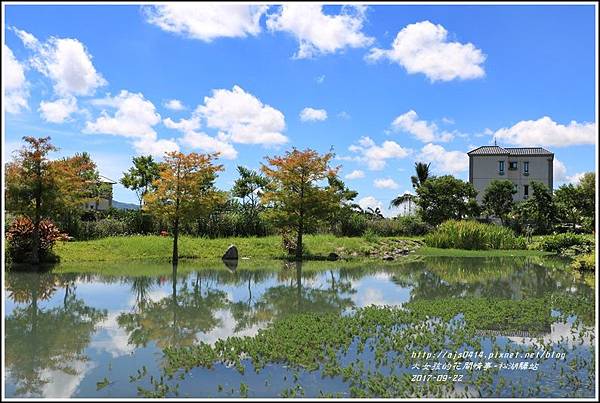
(333, 256)
(231, 253)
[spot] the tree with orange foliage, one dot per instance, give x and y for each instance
(297, 194)
(31, 188)
(40, 188)
(79, 181)
(184, 191)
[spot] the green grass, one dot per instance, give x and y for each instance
(203, 252)
(429, 251)
(152, 247)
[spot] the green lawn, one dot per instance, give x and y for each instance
(152, 247)
(133, 249)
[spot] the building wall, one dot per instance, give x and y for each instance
(103, 204)
(484, 168)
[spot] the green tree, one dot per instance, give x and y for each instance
(444, 198)
(498, 198)
(249, 187)
(184, 190)
(295, 193)
(587, 198)
(347, 207)
(31, 186)
(422, 174)
(539, 210)
(575, 203)
(568, 205)
(141, 176)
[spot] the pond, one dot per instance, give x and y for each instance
(95, 335)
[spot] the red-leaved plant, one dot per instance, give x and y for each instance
(20, 238)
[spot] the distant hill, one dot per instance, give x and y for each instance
(125, 206)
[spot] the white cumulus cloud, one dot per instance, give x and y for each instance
(134, 118)
(66, 62)
(319, 33)
(209, 144)
(375, 156)
(200, 140)
(421, 129)
(423, 47)
(242, 118)
(443, 161)
(559, 171)
(385, 183)
(174, 105)
(312, 115)
(15, 84)
(575, 178)
(370, 201)
(546, 132)
(356, 174)
(207, 21)
(59, 110)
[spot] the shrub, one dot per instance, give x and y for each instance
(353, 224)
(370, 236)
(568, 244)
(400, 226)
(585, 262)
(20, 239)
(474, 236)
(103, 228)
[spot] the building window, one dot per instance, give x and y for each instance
(525, 191)
(513, 165)
(501, 167)
(526, 167)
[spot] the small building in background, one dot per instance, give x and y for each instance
(105, 199)
(520, 165)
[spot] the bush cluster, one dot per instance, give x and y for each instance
(473, 235)
(567, 244)
(19, 237)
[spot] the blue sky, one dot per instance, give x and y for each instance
(385, 86)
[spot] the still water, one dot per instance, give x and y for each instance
(85, 335)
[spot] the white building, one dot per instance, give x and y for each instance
(104, 202)
(520, 165)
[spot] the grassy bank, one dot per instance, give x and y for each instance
(137, 250)
(132, 248)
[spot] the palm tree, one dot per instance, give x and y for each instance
(375, 213)
(407, 197)
(422, 174)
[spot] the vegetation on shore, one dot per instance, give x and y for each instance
(256, 249)
(473, 235)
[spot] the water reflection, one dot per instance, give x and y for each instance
(81, 325)
(40, 341)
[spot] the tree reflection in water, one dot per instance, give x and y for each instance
(40, 340)
(174, 320)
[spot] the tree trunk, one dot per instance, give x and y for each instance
(35, 253)
(299, 240)
(300, 226)
(175, 258)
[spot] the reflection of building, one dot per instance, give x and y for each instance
(104, 200)
(520, 165)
